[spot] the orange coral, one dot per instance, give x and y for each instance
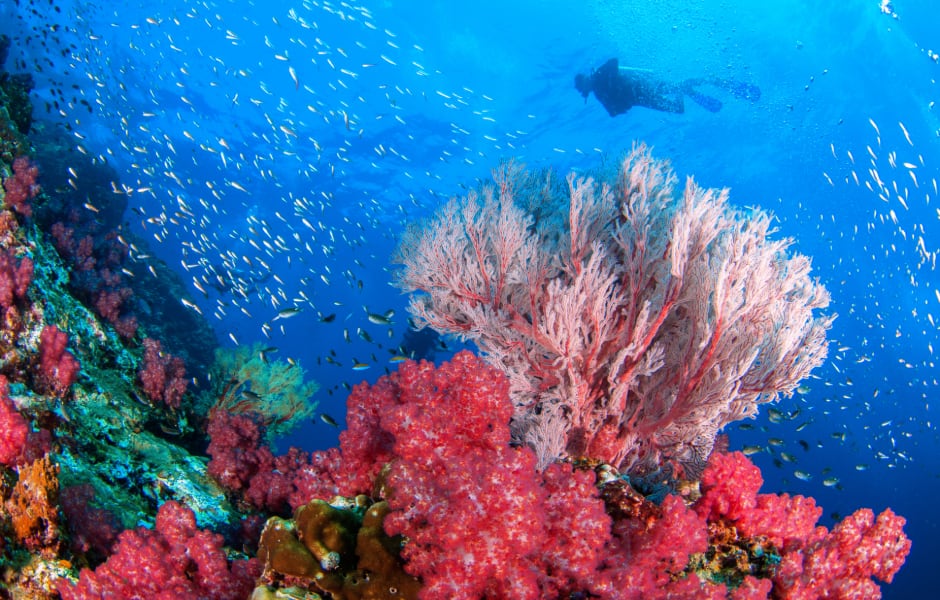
(33, 507)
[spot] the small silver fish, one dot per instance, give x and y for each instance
(287, 313)
(802, 475)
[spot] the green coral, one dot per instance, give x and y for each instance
(247, 379)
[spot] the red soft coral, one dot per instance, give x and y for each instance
(321, 479)
(469, 504)
(58, 367)
(242, 463)
(22, 186)
(480, 520)
(173, 560)
(648, 554)
(729, 487)
(163, 376)
(15, 277)
(14, 429)
(238, 455)
(815, 562)
(841, 563)
(577, 528)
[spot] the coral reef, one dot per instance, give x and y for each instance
(480, 521)
(105, 491)
(82, 455)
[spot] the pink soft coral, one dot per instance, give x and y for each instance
(173, 560)
(58, 368)
(21, 187)
(14, 429)
(15, 277)
(816, 562)
(162, 376)
(480, 520)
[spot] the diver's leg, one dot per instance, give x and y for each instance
(738, 89)
(669, 98)
(707, 102)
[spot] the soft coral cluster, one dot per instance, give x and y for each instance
(456, 469)
(15, 277)
(647, 554)
(21, 187)
(242, 463)
(58, 367)
(479, 518)
(816, 562)
(98, 260)
(162, 375)
(173, 560)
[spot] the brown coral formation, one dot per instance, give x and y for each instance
(338, 552)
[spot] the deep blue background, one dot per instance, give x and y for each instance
(399, 105)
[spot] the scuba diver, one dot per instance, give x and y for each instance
(621, 88)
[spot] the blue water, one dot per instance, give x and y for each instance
(233, 122)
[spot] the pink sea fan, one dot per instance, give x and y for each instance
(633, 322)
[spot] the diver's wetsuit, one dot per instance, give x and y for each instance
(619, 89)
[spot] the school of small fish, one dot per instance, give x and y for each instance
(893, 191)
(212, 153)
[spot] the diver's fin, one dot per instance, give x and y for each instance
(743, 90)
(707, 102)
